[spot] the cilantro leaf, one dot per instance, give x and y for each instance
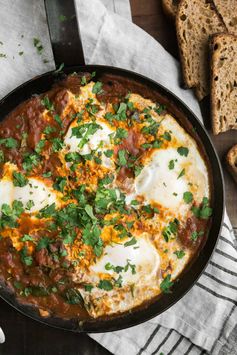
(171, 230)
(97, 88)
(167, 136)
(179, 253)
(122, 160)
(105, 285)
(19, 179)
(132, 241)
(188, 197)
(182, 173)
(204, 211)
(10, 143)
(47, 104)
(171, 164)
(166, 284)
(73, 296)
(183, 151)
(60, 183)
(25, 258)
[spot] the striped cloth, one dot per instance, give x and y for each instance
(204, 321)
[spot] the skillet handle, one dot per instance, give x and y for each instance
(64, 32)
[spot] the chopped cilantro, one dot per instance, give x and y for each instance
(183, 151)
(171, 164)
(10, 214)
(47, 104)
(43, 243)
(167, 136)
(29, 205)
(97, 88)
(39, 146)
(182, 173)
(38, 45)
(138, 169)
(179, 253)
(73, 296)
(48, 211)
(188, 197)
(121, 133)
(171, 230)
(83, 80)
(29, 161)
(19, 179)
(109, 153)
(47, 174)
(49, 129)
(91, 236)
(204, 211)
(60, 183)
(58, 119)
(57, 144)
(132, 241)
(25, 258)
(27, 238)
(166, 284)
(10, 143)
(122, 160)
(88, 287)
(84, 131)
(105, 285)
(196, 234)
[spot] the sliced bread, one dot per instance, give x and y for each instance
(231, 160)
(170, 7)
(224, 82)
(228, 11)
(196, 21)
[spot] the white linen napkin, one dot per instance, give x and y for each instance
(205, 319)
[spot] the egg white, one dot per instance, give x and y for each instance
(35, 190)
(99, 141)
(142, 254)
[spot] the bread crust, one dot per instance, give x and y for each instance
(223, 75)
(185, 20)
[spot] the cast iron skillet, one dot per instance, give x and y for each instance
(67, 49)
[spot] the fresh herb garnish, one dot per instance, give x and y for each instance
(183, 151)
(188, 197)
(105, 285)
(179, 253)
(171, 230)
(97, 88)
(10, 143)
(25, 257)
(204, 211)
(19, 179)
(182, 173)
(166, 284)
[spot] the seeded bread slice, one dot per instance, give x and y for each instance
(231, 160)
(196, 21)
(228, 11)
(224, 82)
(170, 7)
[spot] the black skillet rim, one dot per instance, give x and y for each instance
(187, 280)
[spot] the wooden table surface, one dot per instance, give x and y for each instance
(27, 337)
